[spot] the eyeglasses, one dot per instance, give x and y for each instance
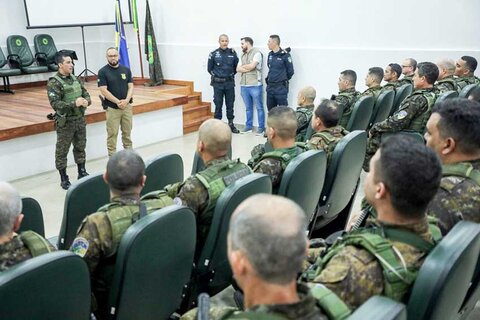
(406, 66)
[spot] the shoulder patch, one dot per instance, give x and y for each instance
(80, 246)
(401, 115)
(177, 201)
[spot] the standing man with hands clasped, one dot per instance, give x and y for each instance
(116, 85)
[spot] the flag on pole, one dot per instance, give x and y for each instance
(120, 39)
(154, 66)
(133, 6)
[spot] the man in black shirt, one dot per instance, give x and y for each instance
(116, 85)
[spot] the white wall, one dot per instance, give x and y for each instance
(326, 36)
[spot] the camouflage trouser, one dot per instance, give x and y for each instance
(74, 132)
(373, 144)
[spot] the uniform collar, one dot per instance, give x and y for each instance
(216, 161)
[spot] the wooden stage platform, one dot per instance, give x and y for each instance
(24, 113)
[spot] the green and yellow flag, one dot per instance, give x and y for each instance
(154, 66)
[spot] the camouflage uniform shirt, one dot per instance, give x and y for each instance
(406, 80)
(392, 85)
(55, 94)
(326, 140)
(346, 99)
(373, 92)
(458, 198)
(303, 121)
(355, 275)
(462, 82)
(445, 85)
(305, 309)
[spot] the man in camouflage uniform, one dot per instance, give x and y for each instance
(409, 66)
(99, 235)
(446, 82)
(305, 100)
(464, 70)
(372, 81)
(350, 268)
(68, 98)
(281, 130)
(347, 95)
(15, 248)
(266, 248)
(391, 75)
(453, 131)
(201, 191)
(413, 112)
(327, 131)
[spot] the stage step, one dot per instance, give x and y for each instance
(192, 125)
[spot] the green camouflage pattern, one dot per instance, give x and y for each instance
(458, 198)
(462, 82)
(355, 275)
(445, 85)
(406, 80)
(373, 92)
(392, 85)
(306, 309)
(56, 94)
(304, 116)
(14, 252)
(327, 140)
(346, 99)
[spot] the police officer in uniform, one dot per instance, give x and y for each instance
(69, 98)
(222, 66)
(15, 248)
(280, 71)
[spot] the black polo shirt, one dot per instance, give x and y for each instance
(116, 80)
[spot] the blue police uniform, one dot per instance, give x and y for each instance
(222, 66)
(280, 71)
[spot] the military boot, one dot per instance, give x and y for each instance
(233, 128)
(82, 172)
(64, 180)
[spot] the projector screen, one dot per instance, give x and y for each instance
(63, 13)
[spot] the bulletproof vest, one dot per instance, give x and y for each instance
(253, 77)
(462, 169)
(330, 138)
(406, 80)
(302, 131)
(443, 83)
(285, 155)
(418, 124)
(35, 243)
(397, 278)
(219, 176)
(464, 81)
(70, 93)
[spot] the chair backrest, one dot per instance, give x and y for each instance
(445, 276)
(446, 95)
(32, 216)
(18, 45)
(84, 197)
(55, 285)
(154, 262)
(3, 60)
(361, 114)
(382, 308)
(382, 107)
(198, 164)
(302, 180)
(44, 43)
(402, 92)
(162, 170)
(465, 92)
(342, 176)
(213, 256)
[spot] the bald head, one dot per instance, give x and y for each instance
(10, 207)
(270, 230)
(446, 68)
(309, 93)
(216, 137)
(284, 121)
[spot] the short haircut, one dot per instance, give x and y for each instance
(429, 70)
(327, 111)
(111, 48)
(460, 119)
(413, 63)
(470, 63)
(10, 207)
(216, 137)
(349, 75)
(276, 38)
(248, 39)
(222, 35)
(309, 93)
(284, 120)
(411, 171)
(376, 73)
(448, 64)
(125, 170)
(475, 94)
(395, 67)
(60, 56)
(275, 247)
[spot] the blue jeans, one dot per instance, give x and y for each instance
(250, 96)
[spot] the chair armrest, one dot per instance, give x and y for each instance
(14, 61)
(41, 59)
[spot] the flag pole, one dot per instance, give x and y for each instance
(140, 53)
(133, 8)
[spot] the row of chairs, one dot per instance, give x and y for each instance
(20, 58)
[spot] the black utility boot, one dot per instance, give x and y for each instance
(64, 181)
(81, 170)
(233, 128)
